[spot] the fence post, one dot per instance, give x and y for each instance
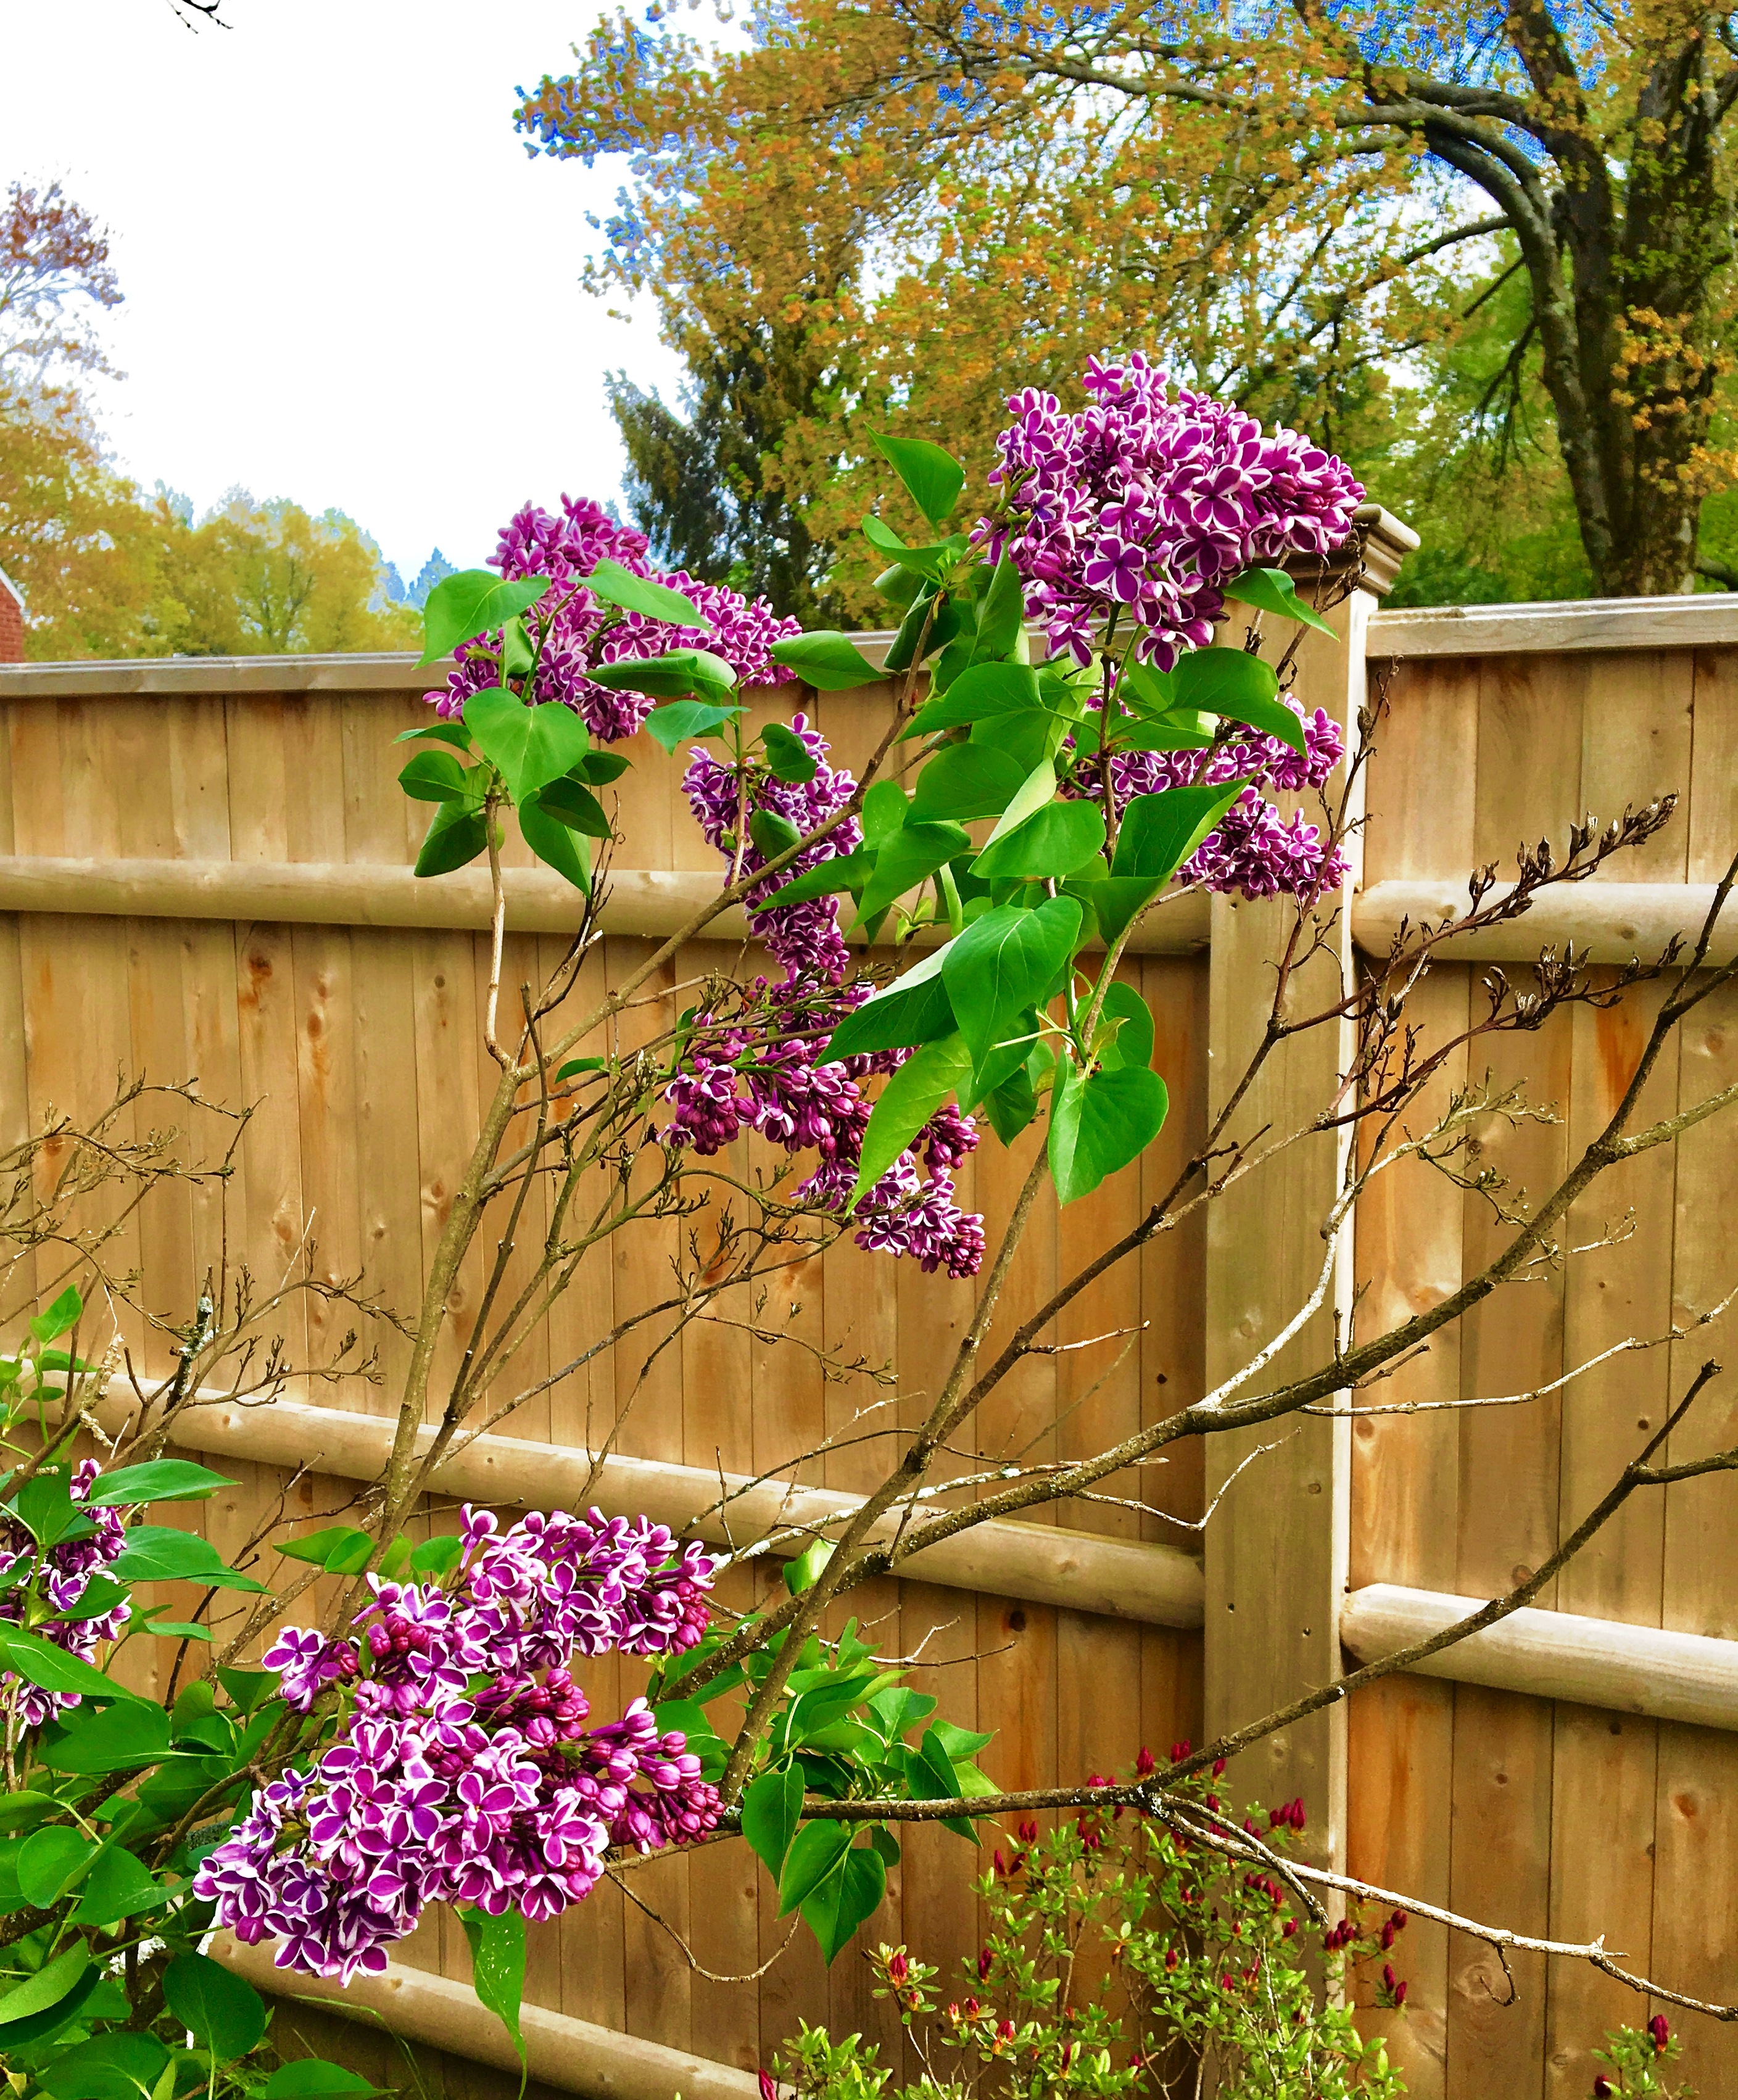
(1277, 1545)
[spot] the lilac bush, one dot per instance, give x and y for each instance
(57, 1579)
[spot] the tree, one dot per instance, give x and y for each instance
(53, 255)
(1324, 158)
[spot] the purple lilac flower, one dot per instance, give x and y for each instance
(68, 1570)
(441, 1788)
(586, 631)
(1254, 852)
(1147, 501)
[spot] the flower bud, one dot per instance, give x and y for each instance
(983, 1964)
(1661, 2028)
(769, 2091)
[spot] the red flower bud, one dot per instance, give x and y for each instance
(972, 2008)
(983, 1964)
(1005, 2032)
(898, 1965)
(1001, 1865)
(1387, 1978)
(1068, 2054)
(1399, 1920)
(1603, 2088)
(1291, 1926)
(1661, 2028)
(1388, 1935)
(769, 2091)
(1171, 1957)
(1144, 1762)
(1027, 1833)
(1179, 1751)
(1213, 1802)
(1219, 1768)
(953, 2011)
(1400, 1994)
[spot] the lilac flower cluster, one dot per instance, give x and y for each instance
(767, 1078)
(67, 1570)
(587, 631)
(464, 1770)
(1253, 851)
(1146, 503)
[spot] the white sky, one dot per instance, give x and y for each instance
(315, 215)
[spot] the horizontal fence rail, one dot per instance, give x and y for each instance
(1042, 1564)
(1554, 1655)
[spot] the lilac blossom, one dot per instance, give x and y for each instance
(1145, 504)
(465, 1769)
(1253, 851)
(586, 631)
(66, 1573)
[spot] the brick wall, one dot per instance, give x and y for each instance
(12, 621)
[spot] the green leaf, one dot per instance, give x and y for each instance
(44, 1506)
(462, 606)
(596, 769)
(1005, 962)
(317, 1545)
(671, 677)
(156, 1553)
(161, 1481)
(1035, 794)
(886, 806)
(497, 1962)
(437, 1556)
(531, 746)
(224, 2014)
(932, 562)
(910, 857)
(1060, 839)
(815, 1852)
(787, 756)
(50, 1989)
(1228, 681)
(1158, 832)
(454, 732)
(978, 694)
(310, 2076)
(553, 843)
(803, 1571)
(930, 1774)
(909, 1099)
(772, 833)
(849, 871)
(23, 1811)
(843, 1902)
(571, 804)
(923, 626)
(1272, 590)
(968, 780)
(458, 834)
(1011, 1106)
(60, 1318)
(932, 477)
(772, 1809)
(912, 1009)
(110, 2066)
(681, 720)
(108, 1739)
(178, 1628)
(1099, 1125)
(1001, 617)
(118, 1886)
(829, 661)
(247, 1688)
(436, 776)
(619, 586)
(1132, 1044)
(44, 1664)
(49, 1862)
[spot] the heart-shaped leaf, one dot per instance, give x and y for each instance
(932, 477)
(909, 1099)
(968, 780)
(160, 1480)
(436, 776)
(223, 2013)
(912, 1009)
(1005, 962)
(458, 834)
(829, 661)
(554, 844)
(531, 746)
(1098, 1125)
(1158, 832)
(49, 1862)
(469, 603)
(619, 586)
(682, 719)
(1272, 590)
(841, 1904)
(1050, 844)
(772, 1809)
(1230, 682)
(978, 694)
(815, 1852)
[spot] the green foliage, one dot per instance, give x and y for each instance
(1635, 2060)
(1120, 1959)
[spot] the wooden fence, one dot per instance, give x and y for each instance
(202, 870)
